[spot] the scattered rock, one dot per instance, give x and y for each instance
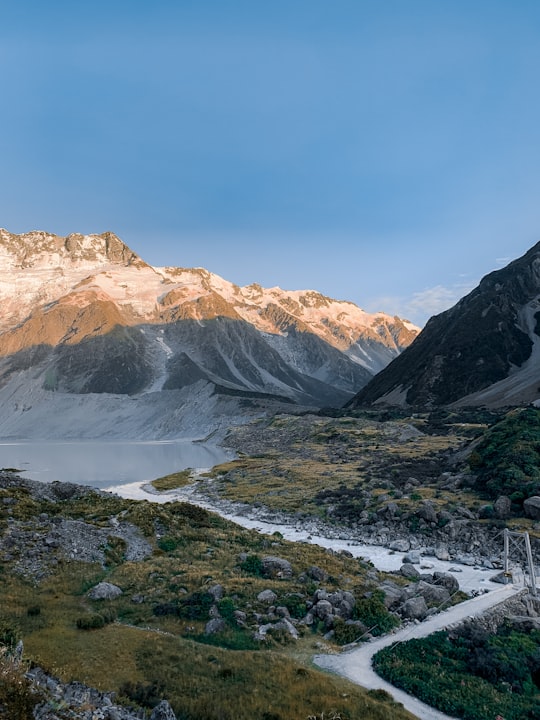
(216, 591)
(502, 507)
(414, 609)
(322, 609)
(392, 593)
(400, 546)
(441, 553)
(213, 626)
(427, 512)
(267, 596)
(447, 581)
(409, 571)
(163, 711)
(433, 594)
(317, 573)
(104, 591)
(524, 623)
(275, 567)
(531, 506)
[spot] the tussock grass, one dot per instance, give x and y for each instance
(172, 481)
(326, 455)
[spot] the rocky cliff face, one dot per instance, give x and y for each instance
(85, 315)
(484, 351)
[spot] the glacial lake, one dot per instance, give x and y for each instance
(103, 464)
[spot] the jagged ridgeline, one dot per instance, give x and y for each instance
(178, 348)
(484, 351)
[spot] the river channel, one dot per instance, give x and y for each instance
(126, 468)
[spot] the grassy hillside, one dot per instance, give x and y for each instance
(150, 641)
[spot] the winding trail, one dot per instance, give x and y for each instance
(355, 664)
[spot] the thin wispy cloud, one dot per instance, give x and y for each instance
(419, 307)
(434, 300)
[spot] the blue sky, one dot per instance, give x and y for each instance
(381, 152)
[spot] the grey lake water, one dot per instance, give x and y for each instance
(105, 464)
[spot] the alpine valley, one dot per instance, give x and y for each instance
(94, 342)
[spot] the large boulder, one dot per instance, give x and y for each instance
(427, 512)
(414, 609)
(531, 506)
(392, 593)
(317, 573)
(441, 553)
(215, 625)
(433, 594)
(275, 567)
(267, 596)
(409, 571)
(446, 580)
(104, 591)
(342, 603)
(503, 507)
(216, 591)
(400, 545)
(322, 609)
(289, 628)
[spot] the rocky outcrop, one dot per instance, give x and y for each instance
(104, 591)
(81, 702)
(275, 567)
(486, 337)
(531, 506)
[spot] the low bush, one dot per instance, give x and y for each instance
(253, 565)
(373, 613)
(95, 621)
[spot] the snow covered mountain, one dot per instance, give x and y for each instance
(484, 351)
(84, 315)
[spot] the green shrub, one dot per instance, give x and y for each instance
(167, 544)
(226, 608)
(148, 695)
(295, 604)
(507, 459)
(195, 606)
(373, 613)
(92, 621)
(345, 634)
(253, 565)
(472, 674)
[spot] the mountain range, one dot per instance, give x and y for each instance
(484, 351)
(94, 341)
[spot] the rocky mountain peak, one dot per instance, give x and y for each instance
(37, 249)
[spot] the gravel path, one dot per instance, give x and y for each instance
(356, 664)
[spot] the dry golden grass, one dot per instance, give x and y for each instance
(334, 453)
(172, 481)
